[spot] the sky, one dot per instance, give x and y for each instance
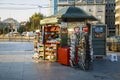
(21, 10)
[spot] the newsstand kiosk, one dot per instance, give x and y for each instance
(74, 47)
(74, 39)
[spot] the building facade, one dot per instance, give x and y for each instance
(117, 17)
(94, 7)
(103, 10)
(110, 17)
(53, 8)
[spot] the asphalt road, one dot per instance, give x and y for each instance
(16, 64)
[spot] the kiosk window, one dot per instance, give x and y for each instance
(99, 32)
(99, 29)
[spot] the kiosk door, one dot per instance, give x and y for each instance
(99, 39)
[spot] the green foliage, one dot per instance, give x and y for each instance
(4, 30)
(22, 29)
(28, 26)
(32, 24)
(35, 21)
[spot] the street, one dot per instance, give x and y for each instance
(16, 64)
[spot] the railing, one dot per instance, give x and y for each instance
(4, 38)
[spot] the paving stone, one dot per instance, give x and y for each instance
(16, 64)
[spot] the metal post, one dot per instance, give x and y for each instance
(29, 38)
(9, 32)
(3, 33)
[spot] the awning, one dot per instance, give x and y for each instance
(49, 21)
(74, 13)
(69, 14)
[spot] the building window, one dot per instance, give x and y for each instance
(106, 5)
(79, 0)
(106, 17)
(90, 1)
(99, 8)
(106, 11)
(71, 0)
(112, 10)
(84, 1)
(99, 1)
(114, 5)
(62, 0)
(90, 10)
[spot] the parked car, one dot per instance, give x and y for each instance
(24, 34)
(30, 34)
(11, 34)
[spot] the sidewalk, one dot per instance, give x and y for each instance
(17, 64)
(107, 68)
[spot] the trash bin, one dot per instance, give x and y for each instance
(64, 55)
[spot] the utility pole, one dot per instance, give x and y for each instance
(39, 8)
(39, 13)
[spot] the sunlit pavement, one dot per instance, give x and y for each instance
(16, 64)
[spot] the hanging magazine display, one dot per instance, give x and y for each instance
(80, 50)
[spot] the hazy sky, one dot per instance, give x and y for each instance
(21, 10)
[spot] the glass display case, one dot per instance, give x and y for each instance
(51, 42)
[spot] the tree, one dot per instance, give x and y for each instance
(32, 24)
(35, 20)
(4, 30)
(28, 26)
(1, 30)
(21, 29)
